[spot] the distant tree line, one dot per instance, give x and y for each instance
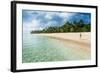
(75, 26)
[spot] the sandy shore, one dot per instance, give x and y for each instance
(72, 38)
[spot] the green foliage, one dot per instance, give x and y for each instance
(74, 26)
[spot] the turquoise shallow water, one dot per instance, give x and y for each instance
(38, 48)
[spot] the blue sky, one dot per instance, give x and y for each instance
(38, 20)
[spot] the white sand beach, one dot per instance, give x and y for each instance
(72, 38)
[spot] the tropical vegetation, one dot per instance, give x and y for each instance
(75, 26)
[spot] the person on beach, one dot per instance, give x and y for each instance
(80, 35)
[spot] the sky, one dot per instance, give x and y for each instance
(38, 20)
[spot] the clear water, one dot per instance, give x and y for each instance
(38, 48)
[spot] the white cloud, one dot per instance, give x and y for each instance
(33, 25)
(48, 16)
(63, 15)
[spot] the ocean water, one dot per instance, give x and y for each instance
(38, 48)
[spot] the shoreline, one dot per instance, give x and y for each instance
(72, 38)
